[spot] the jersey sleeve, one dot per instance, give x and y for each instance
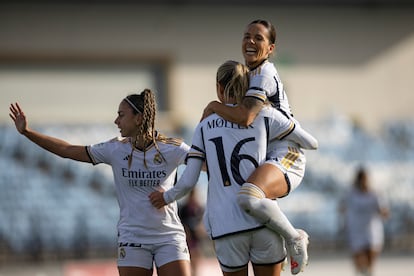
(182, 152)
(261, 86)
(186, 182)
(303, 138)
(284, 128)
(279, 125)
(194, 161)
(197, 150)
(100, 153)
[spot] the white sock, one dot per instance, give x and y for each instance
(253, 200)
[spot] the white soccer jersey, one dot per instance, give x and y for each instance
(364, 223)
(265, 83)
(140, 222)
(232, 153)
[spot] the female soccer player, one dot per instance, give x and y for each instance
(142, 161)
(231, 153)
(284, 171)
(365, 213)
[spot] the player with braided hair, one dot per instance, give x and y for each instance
(146, 236)
(146, 130)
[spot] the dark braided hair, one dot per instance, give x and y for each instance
(145, 104)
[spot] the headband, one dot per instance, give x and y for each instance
(132, 105)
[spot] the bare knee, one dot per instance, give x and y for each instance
(271, 180)
(133, 271)
(179, 268)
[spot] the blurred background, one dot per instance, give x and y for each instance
(347, 66)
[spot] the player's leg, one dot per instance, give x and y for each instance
(267, 270)
(180, 267)
(269, 181)
(172, 258)
(233, 253)
(255, 198)
(359, 261)
(372, 256)
(267, 253)
(133, 260)
(243, 272)
(364, 260)
(134, 271)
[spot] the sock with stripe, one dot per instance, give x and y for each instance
(253, 200)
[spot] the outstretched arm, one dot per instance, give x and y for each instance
(303, 138)
(186, 182)
(52, 144)
(243, 114)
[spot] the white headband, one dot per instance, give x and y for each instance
(132, 105)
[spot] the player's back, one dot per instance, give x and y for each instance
(233, 152)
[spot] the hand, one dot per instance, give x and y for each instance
(18, 117)
(157, 199)
(208, 110)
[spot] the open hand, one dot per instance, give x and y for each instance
(18, 117)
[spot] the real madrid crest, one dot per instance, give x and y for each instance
(157, 158)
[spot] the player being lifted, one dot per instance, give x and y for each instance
(232, 152)
(283, 172)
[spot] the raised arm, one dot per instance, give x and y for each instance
(243, 114)
(51, 144)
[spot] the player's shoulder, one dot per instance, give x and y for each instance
(265, 69)
(122, 140)
(116, 140)
(170, 141)
(209, 120)
(112, 143)
(268, 111)
(275, 116)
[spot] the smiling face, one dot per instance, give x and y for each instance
(127, 121)
(256, 46)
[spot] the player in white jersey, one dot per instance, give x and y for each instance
(275, 178)
(258, 45)
(142, 161)
(364, 214)
(265, 85)
(231, 153)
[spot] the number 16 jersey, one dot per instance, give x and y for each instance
(232, 152)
